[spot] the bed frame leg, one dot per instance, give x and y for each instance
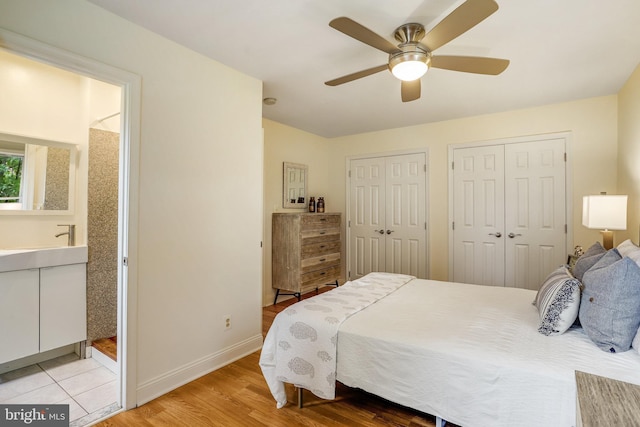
(440, 422)
(300, 398)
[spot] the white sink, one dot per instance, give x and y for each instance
(24, 259)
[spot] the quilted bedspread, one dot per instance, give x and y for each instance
(301, 345)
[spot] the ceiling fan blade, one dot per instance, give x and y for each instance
(410, 90)
(356, 75)
(466, 16)
(470, 64)
(363, 34)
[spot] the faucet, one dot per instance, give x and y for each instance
(71, 240)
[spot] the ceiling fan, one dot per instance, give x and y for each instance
(413, 56)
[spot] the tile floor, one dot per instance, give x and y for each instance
(90, 389)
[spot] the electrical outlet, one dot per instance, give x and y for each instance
(227, 322)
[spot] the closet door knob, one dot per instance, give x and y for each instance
(498, 234)
(389, 231)
(511, 235)
(379, 231)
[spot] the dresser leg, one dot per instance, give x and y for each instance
(300, 402)
(295, 294)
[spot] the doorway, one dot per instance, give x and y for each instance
(387, 221)
(129, 107)
(509, 211)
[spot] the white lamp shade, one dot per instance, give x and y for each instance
(410, 70)
(604, 212)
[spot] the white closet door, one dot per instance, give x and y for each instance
(478, 183)
(536, 211)
(509, 205)
(405, 215)
(367, 216)
(387, 216)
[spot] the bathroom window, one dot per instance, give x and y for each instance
(11, 167)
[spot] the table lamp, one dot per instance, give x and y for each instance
(605, 212)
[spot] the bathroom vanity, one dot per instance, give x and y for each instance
(42, 300)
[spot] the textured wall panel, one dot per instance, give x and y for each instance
(102, 234)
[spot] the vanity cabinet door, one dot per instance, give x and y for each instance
(18, 314)
(63, 305)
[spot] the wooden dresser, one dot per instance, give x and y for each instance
(305, 252)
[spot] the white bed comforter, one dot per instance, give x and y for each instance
(472, 355)
(300, 347)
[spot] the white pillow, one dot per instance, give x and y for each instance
(558, 302)
(627, 248)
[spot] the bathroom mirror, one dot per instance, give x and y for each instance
(37, 176)
(294, 179)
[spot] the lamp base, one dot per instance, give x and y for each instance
(607, 239)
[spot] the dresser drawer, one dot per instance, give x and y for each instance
(319, 236)
(320, 262)
(309, 251)
(320, 277)
(317, 221)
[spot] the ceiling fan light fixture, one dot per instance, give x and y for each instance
(409, 66)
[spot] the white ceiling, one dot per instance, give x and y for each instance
(560, 50)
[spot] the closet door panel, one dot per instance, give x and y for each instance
(367, 216)
(535, 213)
(406, 214)
(478, 183)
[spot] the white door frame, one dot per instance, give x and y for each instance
(347, 233)
(128, 187)
(567, 136)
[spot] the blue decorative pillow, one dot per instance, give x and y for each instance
(629, 249)
(558, 302)
(587, 260)
(610, 304)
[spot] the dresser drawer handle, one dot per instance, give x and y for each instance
(323, 259)
(323, 273)
(322, 246)
(323, 219)
(322, 232)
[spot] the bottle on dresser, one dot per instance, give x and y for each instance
(320, 205)
(312, 204)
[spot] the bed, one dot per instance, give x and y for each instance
(468, 354)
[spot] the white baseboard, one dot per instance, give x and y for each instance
(163, 384)
(103, 359)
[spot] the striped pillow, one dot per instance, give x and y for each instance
(558, 302)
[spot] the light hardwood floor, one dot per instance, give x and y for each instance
(237, 395)
(108, 347)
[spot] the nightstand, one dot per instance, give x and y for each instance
(604, 402)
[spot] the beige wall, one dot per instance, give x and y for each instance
(199, 221)
(629, 153)
(286, 144)
(592, 123)
(593, 153)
